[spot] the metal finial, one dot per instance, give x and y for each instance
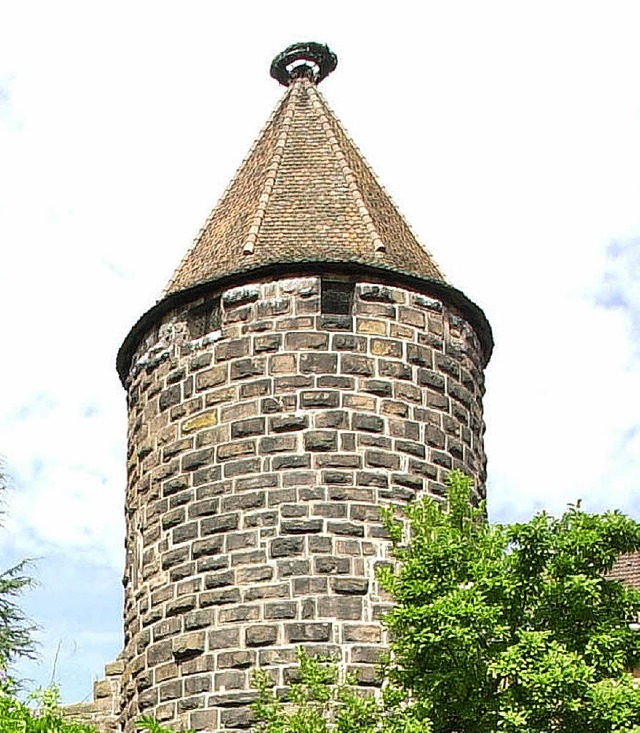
(315, 61)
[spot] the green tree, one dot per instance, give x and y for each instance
(495, 629)
(40, 714)
(16, 631)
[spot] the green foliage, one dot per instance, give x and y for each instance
(41, 714)
(15, 629)
(151, 725)
(495, 629)
(513, 628)
(325, 700)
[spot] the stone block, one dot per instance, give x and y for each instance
(357, 364)
(240, 296)
(367, 422)
(224, 638)
(261, 635)
(257, 388)
(382, 459)
(239, 468)
(280, 610)
(286, 546)
(318, 363)
(278, 444)
(170, 397)
(213, 377)
(288, 423)
(301, 632)
(249, 427)
(188, 645)
(350, 529)
(290, 461)
(246, 368)
(349, 342)
(350, 586)
(306, 340)
(222, 523)
(301, 526)
(219, 597)
(196, 459)
(321, 440)
(236, 659)
(319, 399)
(267, 343)
(340, 607)
(232, 349)
(371, 326)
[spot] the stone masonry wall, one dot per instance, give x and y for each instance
(259, 455)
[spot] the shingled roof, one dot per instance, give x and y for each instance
(627, 569)
(304, 200)
(304, 193)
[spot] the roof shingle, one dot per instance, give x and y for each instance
(303, 194)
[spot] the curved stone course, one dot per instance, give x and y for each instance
(261, 446)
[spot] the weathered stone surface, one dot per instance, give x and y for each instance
(260, 455)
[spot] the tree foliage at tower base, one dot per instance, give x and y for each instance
(496, 628)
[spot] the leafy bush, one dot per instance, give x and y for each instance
(41, 714)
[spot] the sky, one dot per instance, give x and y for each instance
(508, 133)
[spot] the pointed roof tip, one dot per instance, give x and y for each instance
(310, 60)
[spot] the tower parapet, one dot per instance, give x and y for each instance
(306, 365)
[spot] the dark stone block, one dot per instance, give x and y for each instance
(415, 483)
(382, 459)
(350, 586)
(170, 397)
(289, 461)
(267, 343)
(332, 419)
(261, 635)
(280, 610)
(306, 340)
(441, 459)
(366, 478)
(287, 423)
(301, 526)
(308, 632)
(356, 364)
(394, 369)
(324, 398)
(429, 378)
(337, 477)
(285, 546)
(335, 323)
(448, 365)
(340, 607)
(223, 523)
(377, 387)
(346, 529)
(199, 458)
(321, 440)
(245, 368)
(349, 342)
(370, 423)
(434, 436)
(246, 428)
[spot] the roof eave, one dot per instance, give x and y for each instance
(450, 295)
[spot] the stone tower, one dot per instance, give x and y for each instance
(306, 364)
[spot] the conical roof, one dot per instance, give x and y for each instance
(304, 200)
(304, 194)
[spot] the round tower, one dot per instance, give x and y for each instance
(306, 365)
